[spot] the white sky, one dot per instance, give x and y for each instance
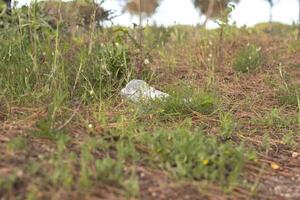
(248, 12)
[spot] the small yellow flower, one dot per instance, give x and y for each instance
(274, 166)
(205, 162)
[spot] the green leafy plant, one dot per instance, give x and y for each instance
(192, 155)
(289, 139)
(248, 59)
(7, 182)
(288, 92)
(227, 125)
(126, 150)
(181, 104)
(17, 143)
(62, 173)
(275, 118)
(109, 170)
(266, 142)
(46, 131)
(287, 97)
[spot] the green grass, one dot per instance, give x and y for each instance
(17, 143)
(248, 59)
(83, 136)
(275, 118)
(38, 60)
(180, 104)
(227, 125)
(288, 97)
(193, 155)
(289, 139)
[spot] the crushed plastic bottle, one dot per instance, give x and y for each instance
(139, 90)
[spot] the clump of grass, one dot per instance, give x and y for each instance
(289, 140)
(109, 170)
(37, 59)
(8, 182)
(247, 59)
(276, 119)
(181, 103)
(103, 73)
(266, 142)
(46, 131)
(32, 192)
(288, 92)
(227, 125)
(17, 143)
(192, 155)
(126, 150)
(288, 96)
(294, 46)
(62, 172)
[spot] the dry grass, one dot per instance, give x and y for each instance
(250, 98)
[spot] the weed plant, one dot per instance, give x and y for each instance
(192, 155)
(44, 65)
(248, 59)
(38, 58)
(18, 143)
(181, 104)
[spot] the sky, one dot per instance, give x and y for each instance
(247, 12)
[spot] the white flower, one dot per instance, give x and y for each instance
(146, 62)
(258, 49)
(90, 126)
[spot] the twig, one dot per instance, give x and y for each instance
(70, 119)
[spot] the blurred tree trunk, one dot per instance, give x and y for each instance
(140, 13)
(140, 30)
(299, 23)
(209, 12)
(8, 6)
(271, 9)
